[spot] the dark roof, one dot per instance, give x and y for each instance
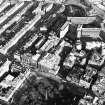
(102, 35)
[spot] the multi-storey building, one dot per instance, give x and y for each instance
(49, 63)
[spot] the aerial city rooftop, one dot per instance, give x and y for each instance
(63, 40)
